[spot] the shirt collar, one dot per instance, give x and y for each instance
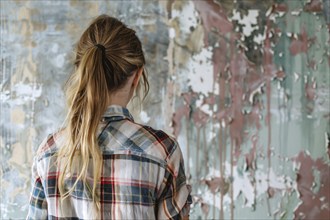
(117, 112)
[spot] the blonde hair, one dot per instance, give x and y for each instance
(107, 54)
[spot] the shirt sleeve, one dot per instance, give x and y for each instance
(38, 202)
(174, 201)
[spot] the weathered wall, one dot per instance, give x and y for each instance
(244, 86)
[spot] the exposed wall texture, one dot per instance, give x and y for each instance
(243, 85)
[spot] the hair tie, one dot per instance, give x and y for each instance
(100, 46)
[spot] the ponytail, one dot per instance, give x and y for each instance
(87, 99)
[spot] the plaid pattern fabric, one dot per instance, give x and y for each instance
(142, 175)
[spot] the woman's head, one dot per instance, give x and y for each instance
(108, 56)
(112, 52)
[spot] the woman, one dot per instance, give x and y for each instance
(103, 165)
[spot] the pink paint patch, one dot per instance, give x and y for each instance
(314, 205)
(328, 143)
(183, 111)
(312, 64)
(270, 192)
(310, 90)
(210, 100)
(180, 112)
(280, 75)
(299, 45)
(213, 17)
(313, 6)
(250, 158)
(217, 184)
(219, 60)
(200, 118)
(281, 7)
(205, 208)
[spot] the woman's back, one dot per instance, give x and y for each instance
(142, 175)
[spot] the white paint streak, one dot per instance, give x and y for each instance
(22, 93)
(187, 17)
(242, 184)
(171, 33)
(59, 60)
(259, 38)
(54, 48)
(204, 107)
(28, 91)
(200, 72)
(144, 117)
(249, 21)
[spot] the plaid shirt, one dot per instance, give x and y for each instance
(142, 175)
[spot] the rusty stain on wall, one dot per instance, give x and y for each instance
(243, 85)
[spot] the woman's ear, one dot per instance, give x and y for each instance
(137, 77)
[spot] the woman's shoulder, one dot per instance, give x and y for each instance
(163, 137)
(156, 141)
(49, 145)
